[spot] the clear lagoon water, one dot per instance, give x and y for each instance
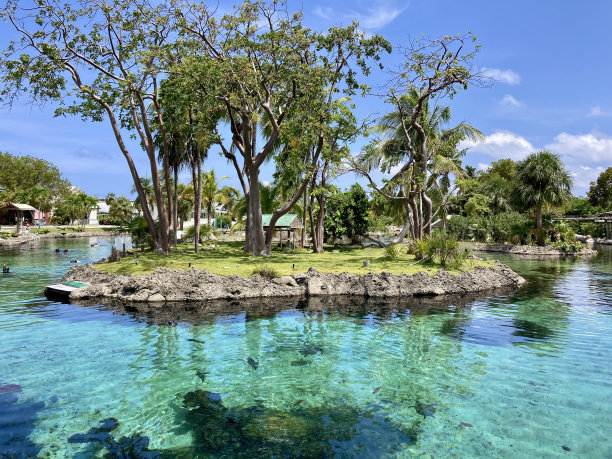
(521, 374)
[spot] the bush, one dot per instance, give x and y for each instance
(205, 233)
(59, 220)
(460, 227)
(500, 225)
(223, 221)
(394, 251)
(460, 256)
(568, 246)
(588, 228)
(441, 245)
(267, 272)
(141, 236)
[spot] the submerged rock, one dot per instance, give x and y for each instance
(165, 285)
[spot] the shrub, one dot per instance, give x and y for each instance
(460, 256)
(205, 233)
(394, 251)
(568, 246)
(460, 227)
(441, 245)
(500, 225)
(267, 272)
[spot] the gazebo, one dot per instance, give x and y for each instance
(288, 224)
(12, 212)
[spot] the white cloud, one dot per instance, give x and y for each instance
(503, 76)
(503, 144)
(376, 16)
(594, 147)
(483, 166)
(596, 111)
(508, 100)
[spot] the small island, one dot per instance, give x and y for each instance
(224, 271)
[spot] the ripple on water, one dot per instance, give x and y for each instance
(519, 375)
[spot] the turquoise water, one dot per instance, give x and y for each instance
(520, 374)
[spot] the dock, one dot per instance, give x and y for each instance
(63, 289)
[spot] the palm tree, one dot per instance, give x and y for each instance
(442, 157)
(212, 194)
(541, 180)
(147, 186)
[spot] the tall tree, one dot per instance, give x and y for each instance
(433, 69)
(105, 67)
(400, 146)
(541, 180)
(600, 192)
(261, 63)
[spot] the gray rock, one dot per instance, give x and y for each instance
(165, 285)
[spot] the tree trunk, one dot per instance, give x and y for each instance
(303, 238)
(208, 212)
(427, 213)
(400, 237)
(255, 223)
(319, 229)
(539, 232)
(174, 226)
(198, 206)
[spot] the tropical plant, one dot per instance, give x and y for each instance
(121, 208)
(542, 180)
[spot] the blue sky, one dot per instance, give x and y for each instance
(551, 61)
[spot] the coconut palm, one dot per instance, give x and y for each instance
(212, 194)
(541, 180)
(147, 186)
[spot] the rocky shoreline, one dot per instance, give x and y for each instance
(174, 286)
(531, 250)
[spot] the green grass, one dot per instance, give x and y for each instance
(228, 258)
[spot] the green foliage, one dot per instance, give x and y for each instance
(460, 227)
(75, 207)
(501, 225)
(568, 246)
(477, 204)
(394, 251)
(347, 215)
(588, 228)
(141, 235)
(582, 207)
(267, 272)
(205, 233)
(223, 221)
(459, 257)
(121, 209)
(600, 192)
(39, 182)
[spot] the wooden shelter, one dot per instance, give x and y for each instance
(287, 224)
(12, 213)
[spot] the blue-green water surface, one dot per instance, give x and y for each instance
(516, 374)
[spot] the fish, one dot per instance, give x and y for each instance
(299, 402)
(201, 375)
(299, 363)
(231, 421)
(466, 424)
(195, 340)
(252, 363)
(377, 390)
(566, 448)
(532, 383)
(311, 350)
(7, 388)
(425, 410)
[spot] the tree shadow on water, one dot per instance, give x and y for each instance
(17, 421)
